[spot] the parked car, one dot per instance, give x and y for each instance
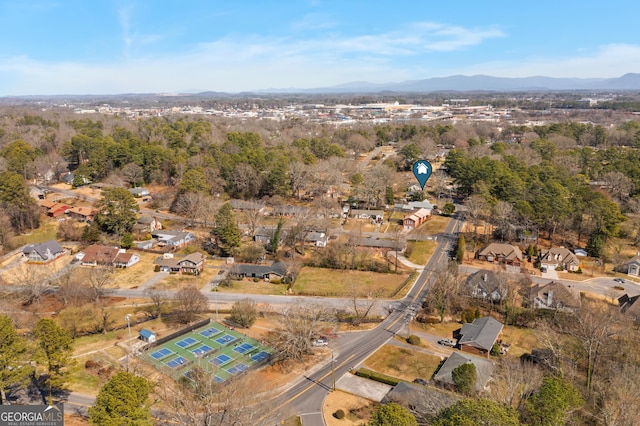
(619, 280)
(321, 341)
(419, 381)
(447, 342)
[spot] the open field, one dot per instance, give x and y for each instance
(435, 225)
(251, 287)
(340, 283)
(403, 363)
(421, 251)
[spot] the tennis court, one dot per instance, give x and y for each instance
(185, 343)
(162, 353)
(176, 362)
(239, 368)
(210, 347)
(201, 350)
(260, 356)
(223, 340)
(243, 348)
(220, 359)
(211, 331)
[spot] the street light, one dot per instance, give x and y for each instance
(215, 290)
(128, 318)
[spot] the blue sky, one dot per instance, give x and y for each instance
(119, 46)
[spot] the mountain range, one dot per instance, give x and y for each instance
(462, 83)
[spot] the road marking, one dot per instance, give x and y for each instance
(314, 383)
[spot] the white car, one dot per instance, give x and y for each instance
(321, 341)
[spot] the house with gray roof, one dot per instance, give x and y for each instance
(555, 295)
(43, 253)
(629, 305)
(485, 285)
(484, 369)
(559, 258)
(632, 266)
(173, 239)
(479, 336)
(275, 271)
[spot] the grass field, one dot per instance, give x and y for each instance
(251, 287)
(436, 225)
(421, 251)
(340, 283)
(403, 363)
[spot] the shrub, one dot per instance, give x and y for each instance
(339, 414)
(156, 268)
(378, 377)
(495, 350)
(255, 280)
(413, 340)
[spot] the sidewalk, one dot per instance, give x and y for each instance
(404, 260)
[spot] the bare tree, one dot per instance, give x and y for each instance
(188, 302)
(34, 281)
(515, 381)
(476, 207)
(190, 205)
(200, 400)
(594, 329)
(444, 289)
(158, 299)
(298, 326)
(618, 185)
(254, 215)
(98, 279)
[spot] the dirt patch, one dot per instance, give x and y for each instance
(75, 420)
(357, 410)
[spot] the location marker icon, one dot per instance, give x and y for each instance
(422, 170)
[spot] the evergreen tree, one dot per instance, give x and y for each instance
(123, 401)
(12, 351)
(226, 230)
(392, 414)
(55, 345)
(464, 377)
(460, 249)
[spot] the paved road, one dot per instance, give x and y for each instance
(306, 397)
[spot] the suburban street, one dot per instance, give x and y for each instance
(307, 396)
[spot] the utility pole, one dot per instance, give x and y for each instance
(333, 374)
(128, 318)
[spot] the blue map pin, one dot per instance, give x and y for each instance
(422, 170)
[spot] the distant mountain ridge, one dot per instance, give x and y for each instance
(463, 83)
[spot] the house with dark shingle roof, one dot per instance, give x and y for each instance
(43, 253)
(190, 264)
(173, 239)
(275, 271)
(484, 285)
(630, 306)
(632, 266)
(479, 336)
(484, 369)
(555, 295)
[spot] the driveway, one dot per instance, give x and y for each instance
(551, 274)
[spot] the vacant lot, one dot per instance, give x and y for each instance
(421, 251)
(340, 283)
(403, 363)
(358, 410)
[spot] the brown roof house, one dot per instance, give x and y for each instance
(559, 258)
(555, 295)
(479, 336)
(83, 214)
(501, 253)
(416, 219)
(97, 254)
(484, 369)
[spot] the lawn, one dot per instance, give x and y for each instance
(47, 231)
(340, 283)
(136, 275)
(522, 340)
(421, 251)
(403, 363)
(436, 225)
(251, 287)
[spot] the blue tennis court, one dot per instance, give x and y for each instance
(260, 356)
(220, 359)
(243, 348)
(162, 353)
(185, 343)
(211, 331)
(225, 339)
(201, 350)
(237, 369)
(176, 362)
